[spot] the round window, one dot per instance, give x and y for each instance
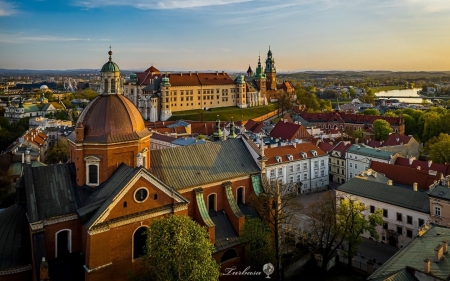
(141, 195)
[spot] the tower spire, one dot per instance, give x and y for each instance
(110, 53)
(232, 134)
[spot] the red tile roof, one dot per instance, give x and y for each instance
(152, 69)
(424, 165)
(397, 139)
(199, 79)
(326, 146)
(283, 151)
(162, 138)
(342, 147)
(346, 117)
(289, 131)
(405, 175)
(254, 126)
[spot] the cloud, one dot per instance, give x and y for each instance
(156, 4)
(7, 9)
(20, 38)
(430, 5)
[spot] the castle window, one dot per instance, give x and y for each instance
(139, 239)
(105, 86)
(92, 170)
(125, 204)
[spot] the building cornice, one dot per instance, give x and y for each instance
(39, 225)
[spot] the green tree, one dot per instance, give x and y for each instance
(381, 129)
(284, 102)
(179, 249)
(59, 152)
(358, 134)
(410, 124)
(438, 148)
(258, 243)
(431, 125)
(352, 93)
(89, 94)
(371, 111)
(354, 211)
(390, 114)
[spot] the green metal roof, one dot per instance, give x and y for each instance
(110, 66)
(193, 166)
(414, 254)
(401, 275)
(368, 151)
(390, 194)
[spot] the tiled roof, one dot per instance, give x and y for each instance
(326, 146)
(389, 194)
(49, 191)
(151, 69)
(424, 165)
(397, 139)
(342, 147)
(440, 191)
(302, 121)
(405, 175)
(226, 236)
(364, 150)
(187, 141)
(161, 137)
(414, 254)
(289, 131)
(283, 151)
(192, 166)
(254, 126)
(400, 275)
(14, 238)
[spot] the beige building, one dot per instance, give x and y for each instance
(439, 195)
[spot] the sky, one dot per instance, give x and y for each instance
(400, 35)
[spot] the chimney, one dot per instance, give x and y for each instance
(181, 73)
(217, 72)
(445, 246)
(223, 72)
(418, 167)
(438, 252)
(389, 182)
(295, 145)
(427, 266)
(43, 270)
(429, 163)
(190, 73)
(415, 186)
(411, 159)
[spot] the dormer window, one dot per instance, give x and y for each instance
(304, 155)
(290, 157)
(92, 170)
(314, 153)
(278, 158)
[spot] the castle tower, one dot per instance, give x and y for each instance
(260, 78)
(166, 109)
(249, 71)
(110, 131)
(241, 97)
(271, 71)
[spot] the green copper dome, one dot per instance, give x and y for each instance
(110, 66)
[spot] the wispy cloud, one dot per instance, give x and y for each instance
(156, 4)
(430, 5)
(20, 38)
(7, 8)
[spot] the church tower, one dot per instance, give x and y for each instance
(271, 71)
(260, 78)
(110, 131)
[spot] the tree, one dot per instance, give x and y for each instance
(352, 93)
(353, 210)
(410, 124)
(438, 148)
(178, 248)
(381, 129)
(276, 207)
(371, 111)
(258, 243)
(358, 134)
(284, 102)
(390, 114)
(430, 125)
(59, 152)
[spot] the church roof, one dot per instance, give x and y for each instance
(112, 118)
(14, 238)
(110, 66)
(192, 166)
(49, 191)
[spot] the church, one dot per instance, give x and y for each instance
(87, 219)
(157, 94)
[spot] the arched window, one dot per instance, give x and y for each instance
(63, 243)
(125, 204)
(92, 170)
(240, 195)
(113, 85)
(92, 174)
(105, 90)
(139, 239)
(212, 202)
(228, 255)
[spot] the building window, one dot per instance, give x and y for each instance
(421, 222)
(409, 233)
(356, 166)
(212, 202)
(280, 171)
(140, 195)
(63, 243)
(298, 167)
(305, 176)
(409, 220)
(93, 174)
(316, 174)
(351, 175)
(139, 240)
(372, 209)
(240, 195)
(399, 230)
(385, 213)
(437, 211)
(305, 166)
(351, 165)
(113, 85)
(291, 168)
(322, 173)
(299, 178)
(385, 225)
(399, 217)
(272, 173)
(291, 179)
(322, 162)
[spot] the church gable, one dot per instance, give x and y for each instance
(141, 194)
